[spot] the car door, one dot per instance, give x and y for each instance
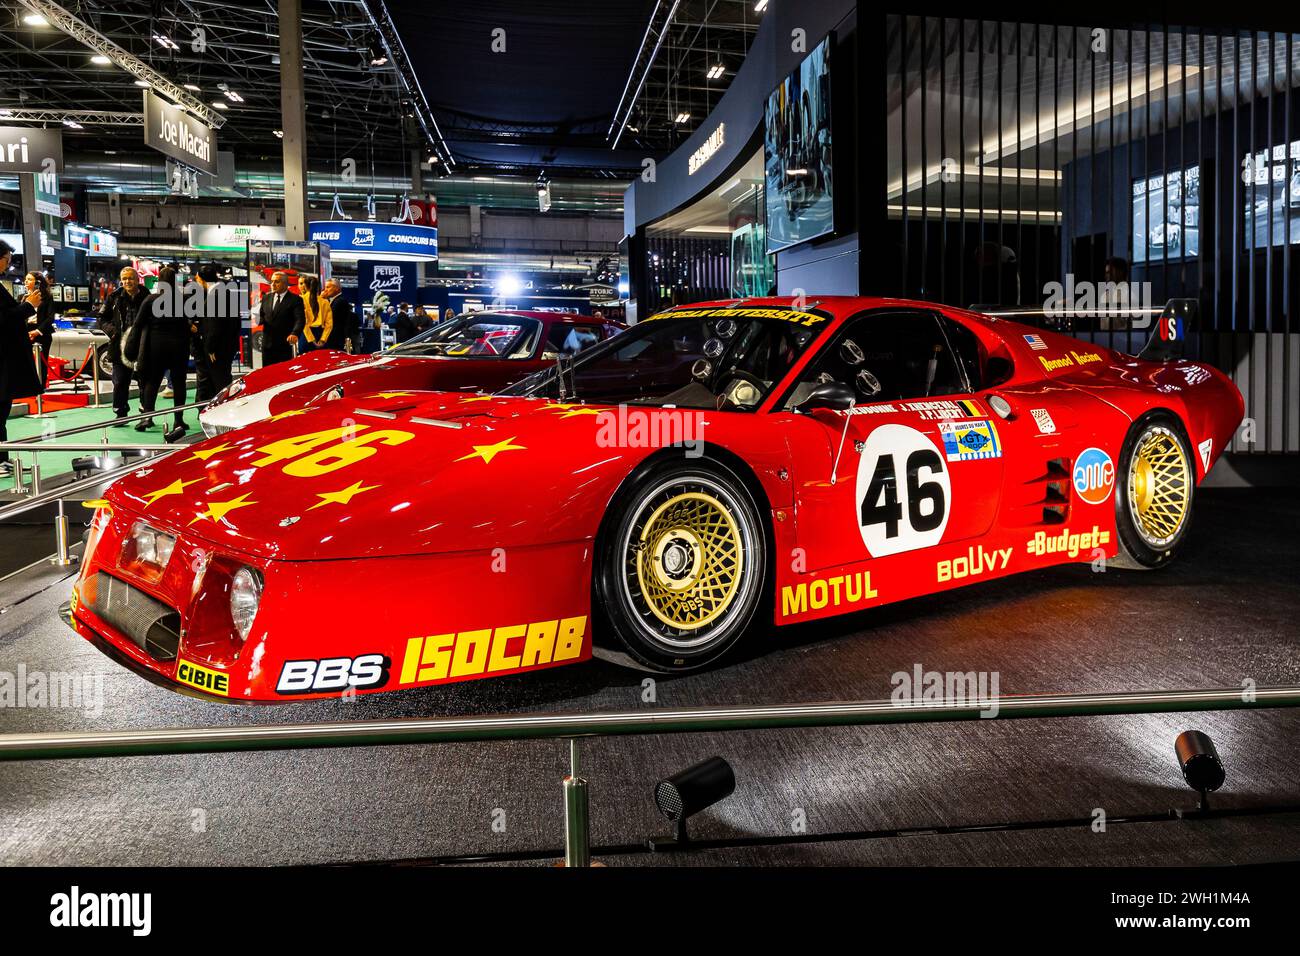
(917, 463)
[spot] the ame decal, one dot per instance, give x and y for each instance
(1094, 476)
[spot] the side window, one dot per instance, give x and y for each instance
(887, 356)
(571, 339)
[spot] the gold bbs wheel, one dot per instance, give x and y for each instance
(689, 560)
(1159, 486)
(686, 565)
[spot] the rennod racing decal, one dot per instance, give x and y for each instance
(903, 491)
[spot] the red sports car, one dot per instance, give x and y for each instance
(667, 494)
(474, 351)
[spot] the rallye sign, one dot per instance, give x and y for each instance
(376, 240)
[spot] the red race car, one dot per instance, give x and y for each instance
(670, 492)
(475, 351)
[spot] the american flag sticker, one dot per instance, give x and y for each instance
(1036, 342)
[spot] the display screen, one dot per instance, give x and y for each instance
(1271, 195)
(797, 153)
(1167, 216)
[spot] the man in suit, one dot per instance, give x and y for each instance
(115, 317)
(218, 334)
(347, 328)
(403, 323)
(18, 378)
(282, 317)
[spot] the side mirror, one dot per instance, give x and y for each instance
(830, 395)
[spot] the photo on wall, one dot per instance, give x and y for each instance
(797, 153)
(1167, 216)
(1271, 197)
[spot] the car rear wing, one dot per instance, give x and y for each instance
(1157, 334)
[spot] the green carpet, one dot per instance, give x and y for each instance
(54, 424)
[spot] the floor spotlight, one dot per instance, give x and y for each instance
(685, 794)
(1199, 760)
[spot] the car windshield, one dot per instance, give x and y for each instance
(477, 335)
(691, 358)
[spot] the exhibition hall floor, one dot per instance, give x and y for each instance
(1227, 612)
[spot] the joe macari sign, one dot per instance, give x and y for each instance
(171, 130)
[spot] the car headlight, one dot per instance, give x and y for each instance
(245, 596)
(148, 546)
(233, 390)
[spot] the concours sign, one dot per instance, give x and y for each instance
(380, 241)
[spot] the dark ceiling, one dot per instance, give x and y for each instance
(544, 105)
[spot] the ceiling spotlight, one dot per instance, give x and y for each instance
(166, 42)
(35, 20)
(143, 84)
(375, 51)
(279, 134)
(760, 6)
(71, 124)
(682, 118)
(715, 72)
(100, 60)
(220, 105)
(234, 97)
(194, 87)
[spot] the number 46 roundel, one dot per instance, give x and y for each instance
(903, 491)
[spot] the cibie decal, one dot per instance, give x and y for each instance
(903, 491)
(1206, 448)
(1094, 476)
(204, 678)
(1044, 421)
(968, 441)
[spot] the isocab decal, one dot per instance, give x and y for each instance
(1094, 476)
(903, 491)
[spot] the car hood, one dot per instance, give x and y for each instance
(390, 474)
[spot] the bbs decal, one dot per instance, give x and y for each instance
(333, 674)
(903, 491)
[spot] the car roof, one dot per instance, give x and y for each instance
(564, 318)
(838, 306)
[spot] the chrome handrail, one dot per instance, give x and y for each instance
(431, 730)
(84, 446)
(110, 422)
(72, 490)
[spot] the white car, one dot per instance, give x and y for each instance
(71, 344)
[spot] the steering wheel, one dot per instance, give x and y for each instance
(732, 391)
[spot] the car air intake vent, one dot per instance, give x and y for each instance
(149, 624)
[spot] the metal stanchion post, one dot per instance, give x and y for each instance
(62, 558)
(94, 375)
(37, 359)
(577, 823)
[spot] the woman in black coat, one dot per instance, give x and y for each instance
(165, 347)
(40, 326)
(18, 377)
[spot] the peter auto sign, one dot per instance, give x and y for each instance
(174, 132)
(24, 150)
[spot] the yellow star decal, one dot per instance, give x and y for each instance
(217, 510)
(392, 394)
(209, 452)
(340, 497)
(175, 488)
(488, 452)
(292, 411)
(477, 398)
(95, 503)
(580, 411)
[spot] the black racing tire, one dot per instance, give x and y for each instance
(1154, 489)
(682, 568)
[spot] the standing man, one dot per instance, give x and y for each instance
(347, 328)
(282, 317)
(403, 324)
(116, 314)
(218, 334)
